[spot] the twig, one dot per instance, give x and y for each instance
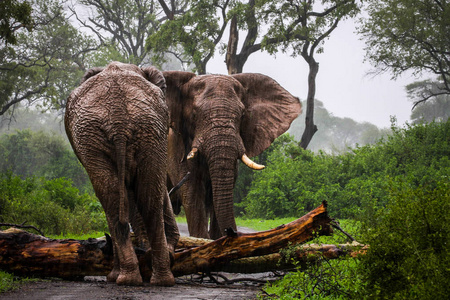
(336, 225)
(227, 281)
(175, 188)
(22, 226)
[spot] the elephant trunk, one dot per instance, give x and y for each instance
(221, 154)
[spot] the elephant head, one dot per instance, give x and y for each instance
(214, 121)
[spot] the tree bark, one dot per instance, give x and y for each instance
(27, 254)
(231, 58)
(235, 62)
(310, 127)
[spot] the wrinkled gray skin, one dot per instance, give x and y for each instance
(117, 122)
(223, 117)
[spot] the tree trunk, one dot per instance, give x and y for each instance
(27, 254)
(235, 62)
(231, 58)
(310, 127)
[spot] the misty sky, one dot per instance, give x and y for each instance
(342, 82)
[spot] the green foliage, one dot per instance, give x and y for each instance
(302, 26)
(27, 153)
(323, 279)
(246, 175)
(409, 35)
(46, 63)
(356, 183)
(409, 257)
(194, 33)
(399, 190)
(291, 174)
(13, 15)
(53, 206)
(9, 281)
(6, 282)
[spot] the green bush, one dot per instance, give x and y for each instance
(354, 183)
(53, 206)
(26, 153)
(9, 281)
(322, 279)
(409, 254)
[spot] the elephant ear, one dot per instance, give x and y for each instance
(174, 96)
(155, 76)
(270, 110)
(90, 73)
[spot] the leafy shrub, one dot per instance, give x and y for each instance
(409, 255)
(355, 183)
(323, 279)
(53, 206)
(26, 153)
(9, 281)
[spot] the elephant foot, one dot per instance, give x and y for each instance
(163, 280)
(112, 276)
(133, 278)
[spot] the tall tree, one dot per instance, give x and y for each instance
(126, 24)
(301, 27)
(192, 36)
(14, 15)
(435, 109)
(243, 18)
(45, 64)
(410, 35)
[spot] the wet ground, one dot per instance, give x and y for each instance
(187, 287)
(98, 288)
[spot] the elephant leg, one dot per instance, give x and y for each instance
(105, 183)
(170, 226)
(194, 206)
(214, 229)
(151, 192)
(137, 223)
(112, 276)
(126, 266)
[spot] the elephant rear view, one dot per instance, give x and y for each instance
(117, 124)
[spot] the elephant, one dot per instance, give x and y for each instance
(117, 122)
(215, 120)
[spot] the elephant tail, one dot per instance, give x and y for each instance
(120, 143)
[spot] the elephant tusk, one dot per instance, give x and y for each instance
(192, 153)
(250, 163)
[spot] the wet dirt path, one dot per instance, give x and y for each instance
(97, 288)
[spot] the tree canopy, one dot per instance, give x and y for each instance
(193, 35)
(13, 16)
(46, 63)
(409, 35)
(435, 109)
(301, 27)
(124, 25)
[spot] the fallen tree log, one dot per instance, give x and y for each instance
(240, 245)
(27, 254)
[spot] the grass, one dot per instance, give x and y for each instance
(9, 281)
(255, 224)
(350, 226)
(84, 236)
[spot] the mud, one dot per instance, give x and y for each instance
(92, 288)
(98, 288)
